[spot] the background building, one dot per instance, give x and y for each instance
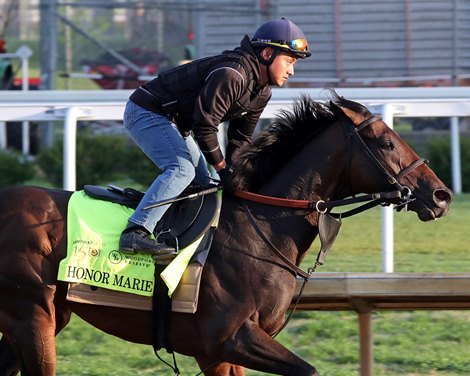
(358, 42)
(354, 42)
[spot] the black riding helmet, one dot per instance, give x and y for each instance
(282, 35)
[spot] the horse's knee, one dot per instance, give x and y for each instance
(255, 349)
(227, 369)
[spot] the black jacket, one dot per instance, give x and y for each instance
(200, 95)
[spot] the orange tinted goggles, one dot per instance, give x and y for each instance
(300, 45)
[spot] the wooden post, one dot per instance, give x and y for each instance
(366, 343)
(364, 309)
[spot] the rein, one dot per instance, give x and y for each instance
(323, 206)
(402, 194)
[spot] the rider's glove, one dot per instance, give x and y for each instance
(225, 175)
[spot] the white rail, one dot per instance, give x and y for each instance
(72, 106)
(108, 105)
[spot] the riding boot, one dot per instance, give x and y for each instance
(136, 238)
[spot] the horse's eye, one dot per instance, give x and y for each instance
(387, 145)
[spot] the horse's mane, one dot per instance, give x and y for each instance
(273, 147)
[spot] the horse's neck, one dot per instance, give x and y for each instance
(289, 230)
(260, 229)
(314, 173)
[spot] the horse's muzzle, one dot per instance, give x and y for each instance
(438, 207)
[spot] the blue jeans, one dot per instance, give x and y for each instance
(178, 158)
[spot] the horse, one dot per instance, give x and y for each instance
(313, 154)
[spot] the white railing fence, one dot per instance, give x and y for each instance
(70, 107)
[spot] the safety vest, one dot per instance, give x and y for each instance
(181, 85)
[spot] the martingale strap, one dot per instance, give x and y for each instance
(292, 267)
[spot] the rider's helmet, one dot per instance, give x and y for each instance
(282, 34)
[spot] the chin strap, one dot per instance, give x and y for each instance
(268, 62)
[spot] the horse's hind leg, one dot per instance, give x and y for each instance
(31, 333)
(9, 364)
(30, 347)
(253, 348)
(34, 342)
(220, 369)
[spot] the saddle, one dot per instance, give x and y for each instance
(185, 220)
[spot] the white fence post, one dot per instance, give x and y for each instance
(3, 135)
(387, 211)
(455, 155)
(23, 53)
(72, 115)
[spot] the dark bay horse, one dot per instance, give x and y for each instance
(316, 152)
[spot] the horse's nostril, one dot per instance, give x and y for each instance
(442, 196)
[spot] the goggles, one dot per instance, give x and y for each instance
(299, 45)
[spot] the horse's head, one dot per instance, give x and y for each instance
(380, 160)
(337, 149)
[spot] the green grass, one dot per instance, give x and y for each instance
(412, 343)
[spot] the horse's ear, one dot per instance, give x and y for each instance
(346, 113)
(337, 110)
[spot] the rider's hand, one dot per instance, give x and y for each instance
(226, 174)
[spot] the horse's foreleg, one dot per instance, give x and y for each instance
(9, 364)
(253, 348)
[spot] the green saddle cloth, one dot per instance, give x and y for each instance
(93, 258)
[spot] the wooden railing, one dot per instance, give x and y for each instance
(366, 292)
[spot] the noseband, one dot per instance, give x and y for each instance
(405, 192)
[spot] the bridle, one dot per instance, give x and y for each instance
(405, 192)
(402, 195)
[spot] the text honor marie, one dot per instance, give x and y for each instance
(98, 276)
